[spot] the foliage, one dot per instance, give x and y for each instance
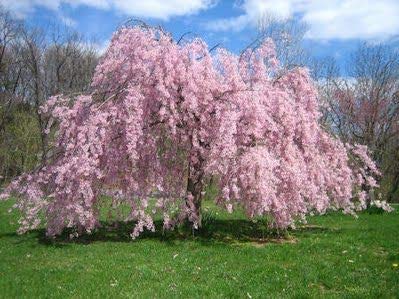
(164, 117)
(19, 144)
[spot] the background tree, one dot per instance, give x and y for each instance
(34, 65)
(288, 37)
(364, 106)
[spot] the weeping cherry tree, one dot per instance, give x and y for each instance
(164, 116)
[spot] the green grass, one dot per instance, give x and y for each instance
(333, 256)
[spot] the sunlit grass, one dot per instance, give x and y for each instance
(333, 256)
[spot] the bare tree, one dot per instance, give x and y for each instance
(69, 62)
(288, 36)
(10, 64)
(34, 65)
(363, 107)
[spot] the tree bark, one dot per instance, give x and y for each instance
(194, 186)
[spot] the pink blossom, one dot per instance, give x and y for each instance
(163, 114)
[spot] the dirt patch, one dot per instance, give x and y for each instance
(262, 242)
(311, 226)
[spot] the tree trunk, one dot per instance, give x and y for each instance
(368, 199)
(394, 187)
(194, 187)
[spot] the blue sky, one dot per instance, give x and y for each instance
(336, 27)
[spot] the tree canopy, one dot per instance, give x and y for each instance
(164, 116)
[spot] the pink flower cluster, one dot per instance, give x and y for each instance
(164, 114)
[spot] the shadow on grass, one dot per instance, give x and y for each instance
(213, 231)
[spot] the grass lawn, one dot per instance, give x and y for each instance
(333, 256)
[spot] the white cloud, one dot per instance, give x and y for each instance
(353, 19)
(233, 24)
(253, 10)
(157, 9)
(341, 19)
(161, 9)
(68, 21)
(102, 46)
